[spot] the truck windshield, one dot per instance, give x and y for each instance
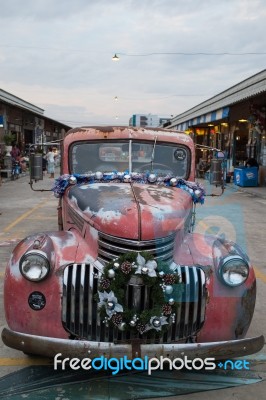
(132, 156)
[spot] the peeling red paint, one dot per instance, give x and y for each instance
(132, 212)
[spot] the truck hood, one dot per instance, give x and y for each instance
(133, 211)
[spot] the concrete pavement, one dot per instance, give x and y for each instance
(259, 191)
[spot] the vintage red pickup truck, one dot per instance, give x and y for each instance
(125, 274)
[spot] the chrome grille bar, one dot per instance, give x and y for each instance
(89, 304)
(162, 248)
(65, 296)
(202, 296)
(177, 331)
(185, 300)
(81, 319)
(195, 301)
(111, 247)
(81, 299)
(145, 243)
(73, 297)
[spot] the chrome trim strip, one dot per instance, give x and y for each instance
(137, 243)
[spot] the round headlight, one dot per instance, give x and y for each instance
(234, 270)
(34, 266)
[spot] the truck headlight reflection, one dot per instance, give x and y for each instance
(234, 270)
(34, 266)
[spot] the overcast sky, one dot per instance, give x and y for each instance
(58, 54)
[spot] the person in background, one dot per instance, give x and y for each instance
(251, 162)
(208, 163)
(50, 157)
(23, 162)
(44, 163)
(15, 152)
(15, 156)
(200, 169)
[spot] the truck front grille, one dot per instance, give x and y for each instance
(79, 307)
(111, 247)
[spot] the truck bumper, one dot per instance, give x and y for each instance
(49, 347)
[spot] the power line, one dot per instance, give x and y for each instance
(193, 54)
(226, 53)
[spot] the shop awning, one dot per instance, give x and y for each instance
(205, 118)
(212, 109)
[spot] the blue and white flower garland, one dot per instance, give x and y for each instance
(195, 189)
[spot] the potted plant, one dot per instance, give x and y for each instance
(8, 140)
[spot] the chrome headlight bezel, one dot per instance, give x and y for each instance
(233, 270)
(37, 271)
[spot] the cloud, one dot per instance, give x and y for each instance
(58, 54)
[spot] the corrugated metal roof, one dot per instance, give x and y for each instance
(249, 87)
(14, 100)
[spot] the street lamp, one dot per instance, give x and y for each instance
(115, 58)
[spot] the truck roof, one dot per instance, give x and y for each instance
(122, 132)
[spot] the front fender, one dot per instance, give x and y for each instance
(61, 249)
(229, 310)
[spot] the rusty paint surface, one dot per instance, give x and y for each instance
(111, 208)
(131, 211)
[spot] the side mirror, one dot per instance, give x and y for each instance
(36, 167)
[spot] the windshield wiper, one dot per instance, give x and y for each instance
(130, 156)
(153, 152)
